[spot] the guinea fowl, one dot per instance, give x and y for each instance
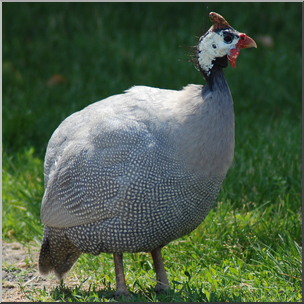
(135, 171)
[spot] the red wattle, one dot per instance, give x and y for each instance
(234, 53)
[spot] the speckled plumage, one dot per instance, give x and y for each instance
(136, 170)
(118, 175)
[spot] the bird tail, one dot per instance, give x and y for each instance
(57, 254)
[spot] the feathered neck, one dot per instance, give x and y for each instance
(216, 71)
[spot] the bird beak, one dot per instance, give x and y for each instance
(244, 43)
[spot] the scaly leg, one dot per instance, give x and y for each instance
(161, 276)
(121, 287)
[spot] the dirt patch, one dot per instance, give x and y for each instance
(20, 276)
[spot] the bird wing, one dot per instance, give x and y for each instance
(93, 158)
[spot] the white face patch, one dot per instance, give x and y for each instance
(212, 46)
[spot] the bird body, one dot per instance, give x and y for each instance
(137, 170)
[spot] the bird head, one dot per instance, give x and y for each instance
(220, 42)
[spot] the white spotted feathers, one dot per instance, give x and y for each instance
(137, 170)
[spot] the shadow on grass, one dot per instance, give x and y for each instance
(187, 293)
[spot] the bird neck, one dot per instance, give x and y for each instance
(207, 136)
(216, 73)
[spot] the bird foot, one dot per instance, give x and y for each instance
(161, 288)
(120, 293)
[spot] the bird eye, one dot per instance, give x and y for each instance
(228, 38)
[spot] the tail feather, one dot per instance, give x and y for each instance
(57, 254)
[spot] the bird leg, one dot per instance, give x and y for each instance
(121, 287)
(161, 276)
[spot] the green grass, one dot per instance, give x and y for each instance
(249, 246)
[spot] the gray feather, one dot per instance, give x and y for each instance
(136, 170)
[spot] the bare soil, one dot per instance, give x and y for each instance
(20, 276)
